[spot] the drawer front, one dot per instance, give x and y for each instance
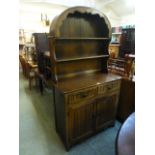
(109, 87)
(82, 95)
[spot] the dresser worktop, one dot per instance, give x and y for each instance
(83, 81)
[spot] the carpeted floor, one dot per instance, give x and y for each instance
(37, 135)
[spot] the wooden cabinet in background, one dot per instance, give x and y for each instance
(126, 104)
(127, 42)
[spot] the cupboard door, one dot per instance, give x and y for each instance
(105, 111)
(80, 121)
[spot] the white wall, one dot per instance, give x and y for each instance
(30, 17)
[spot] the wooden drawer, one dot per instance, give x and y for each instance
(82, 95)
(110, 87)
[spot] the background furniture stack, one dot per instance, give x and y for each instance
(122, 41)
(29, 68)
(126, 104)
(27, 57)
(43, 59)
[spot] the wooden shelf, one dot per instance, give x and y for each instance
(80, 38)
(82, 58)
(117, 60)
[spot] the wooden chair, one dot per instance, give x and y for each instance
(32, 71)
(123, 66)
(130, 64)
(23, 64)
(117, 66)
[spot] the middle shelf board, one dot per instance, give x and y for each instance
(82, 58)
(80, 38)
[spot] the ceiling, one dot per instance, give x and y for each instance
(121, 7)
(118, 7)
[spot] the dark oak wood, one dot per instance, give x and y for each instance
(126, 104)
(106, 110)
(75, 36)
(82, 58)
(86, 95)
(81, 22)
(79, 38)
(87, 80)
(80, 121)
(87, 104)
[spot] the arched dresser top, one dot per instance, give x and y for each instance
(88, 16)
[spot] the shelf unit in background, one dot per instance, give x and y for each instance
(122, 41)
(116, 37)
(114, 45)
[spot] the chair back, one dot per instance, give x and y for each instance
(23, 64)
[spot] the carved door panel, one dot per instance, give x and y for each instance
(80, 121)
(105, 110)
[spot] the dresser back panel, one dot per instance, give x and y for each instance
(77, 48)
(71, 68)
